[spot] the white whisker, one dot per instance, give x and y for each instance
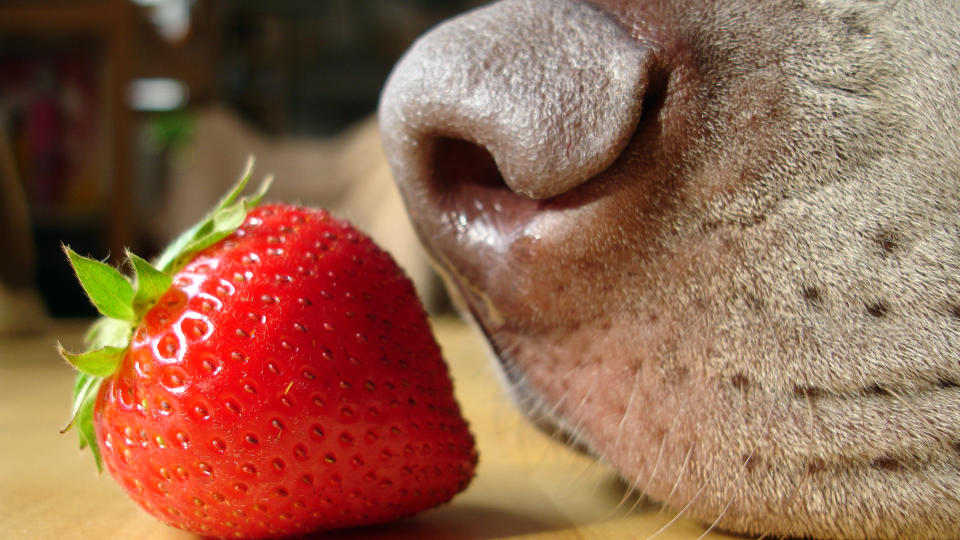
(663, 443)
(626, 412)
(742, 468)
(806, 471)
(766, 425)
(683, 468)
(722, 512)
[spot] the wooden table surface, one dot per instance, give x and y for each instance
(527, 485)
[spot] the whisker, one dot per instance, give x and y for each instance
(676, 483)
(663, 443)
(742, 468)
(552, 411)
(546, 416)
(812, 445)
(722, 513)
(766, 425)
(677, 516)
(627, 494)
(641, 493)
(626, 412)
(564, 432)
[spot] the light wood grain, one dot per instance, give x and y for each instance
(527, 486)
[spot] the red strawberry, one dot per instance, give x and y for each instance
(269, 380)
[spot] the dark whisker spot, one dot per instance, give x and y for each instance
(815, 465)
(813, 296)
(877, 309)
(886, 463)
(887, 242)
(740, 381)
(854, 25)
(946, 383)
(874, 390)
(955, 311)
(800, 391)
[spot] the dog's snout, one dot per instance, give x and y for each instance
(713, 238)
(537, 96)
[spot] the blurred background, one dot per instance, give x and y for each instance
(122, 120)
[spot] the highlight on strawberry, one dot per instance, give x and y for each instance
(272, 373)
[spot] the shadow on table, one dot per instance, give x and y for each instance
(470, 521)
(460, 522)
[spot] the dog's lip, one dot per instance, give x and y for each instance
(512, 255)
(499, 259)
(527, 398)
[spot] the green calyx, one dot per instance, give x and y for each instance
(123, 300)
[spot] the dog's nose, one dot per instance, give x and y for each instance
(536, 95)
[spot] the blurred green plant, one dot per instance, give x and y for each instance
(169, 130)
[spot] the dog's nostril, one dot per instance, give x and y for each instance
(465, 180)
(456, 162)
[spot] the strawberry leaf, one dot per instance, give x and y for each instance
(81, 388)
(261, 191)
(109, 291)
(176, 253)
(85, 391)
(88, 434)
(221, 225)
(151, 283)
(107, 332)
(225, 220)
(98, 362)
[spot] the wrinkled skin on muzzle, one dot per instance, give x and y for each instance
(718, 242)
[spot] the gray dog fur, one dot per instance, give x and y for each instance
(752, 309)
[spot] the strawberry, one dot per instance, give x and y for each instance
(273, 374)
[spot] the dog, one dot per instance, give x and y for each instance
(716, 241)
